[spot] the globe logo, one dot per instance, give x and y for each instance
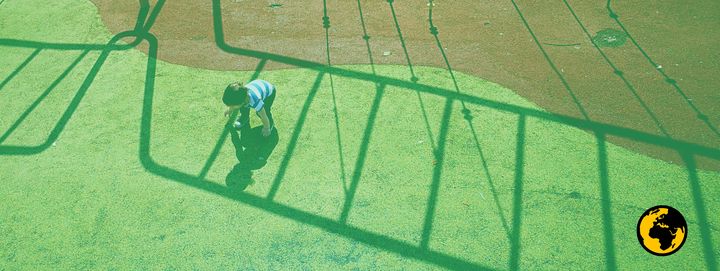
(662, 230)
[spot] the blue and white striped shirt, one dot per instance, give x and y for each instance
(258, 91)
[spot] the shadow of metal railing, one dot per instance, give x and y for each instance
(421, 251)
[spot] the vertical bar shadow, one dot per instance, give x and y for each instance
(515, 244)
(378, 88)
(606, 203)
(362, 154)
(439, 156)
(294, 139)
(703, 224)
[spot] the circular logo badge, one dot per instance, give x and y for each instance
(662, 230)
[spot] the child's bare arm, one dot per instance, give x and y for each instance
(265, 121)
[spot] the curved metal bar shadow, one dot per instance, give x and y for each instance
(370, 238)
(143, 24)
(69, 111)
(373, 239)
(267, 204)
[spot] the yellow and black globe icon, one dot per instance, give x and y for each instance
(662, 230)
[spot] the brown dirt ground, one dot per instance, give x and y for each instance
(487, 39)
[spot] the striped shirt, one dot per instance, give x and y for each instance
(258, 91)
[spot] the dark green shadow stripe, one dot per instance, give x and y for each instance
(63, 46)
(42, 96)
(153, 16)
(709, 250)
(147, 106)
(74, 103)
(294, 139)
(378, 87)
(20, 68)
(437, 174)
(142, 15)
(362, 155)
(515, 243)
(608, 232)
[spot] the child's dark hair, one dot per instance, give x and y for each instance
(234, 94)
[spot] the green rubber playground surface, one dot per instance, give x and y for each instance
(112, 159)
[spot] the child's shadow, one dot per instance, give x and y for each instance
(252, 151)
